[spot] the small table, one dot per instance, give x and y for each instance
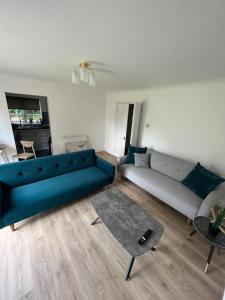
(201, 225)
(127, 221)
(3, 154)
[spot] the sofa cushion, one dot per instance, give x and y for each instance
(25, 172)
(32, 198)
(142, 160)
(202, 181)
(169, 165)
(130, 155)
(165, 188)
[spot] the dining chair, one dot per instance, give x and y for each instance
(26, 155)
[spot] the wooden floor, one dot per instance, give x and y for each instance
(58, 255)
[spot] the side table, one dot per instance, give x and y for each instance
(3, 154)
(220, 204)
(201, 225)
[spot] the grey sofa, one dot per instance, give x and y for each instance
(163, 180)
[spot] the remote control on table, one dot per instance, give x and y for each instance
(145, 237)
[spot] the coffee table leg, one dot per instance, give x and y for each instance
(95, 220)
(129, 268)
(209, 257)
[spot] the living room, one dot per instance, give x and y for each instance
(129, 203)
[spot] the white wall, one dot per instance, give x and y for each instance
(185, 121)
(72, 110)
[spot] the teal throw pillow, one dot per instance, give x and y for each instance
(202, 181)
(131, 151)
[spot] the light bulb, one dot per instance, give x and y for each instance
(75, 77)
(83, 74)
(91, 79)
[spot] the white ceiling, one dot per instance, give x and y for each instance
(145, 42)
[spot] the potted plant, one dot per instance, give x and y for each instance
(31, 120)
(214, 227)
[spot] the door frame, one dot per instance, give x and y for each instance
(116, 106)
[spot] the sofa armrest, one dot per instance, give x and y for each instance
(1, 198)
(106, 167)
(212, 200)
(121, 160)
(1, 205)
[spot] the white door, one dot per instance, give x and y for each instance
(136, 123)
(121, 128)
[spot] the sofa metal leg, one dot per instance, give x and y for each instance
(119, 176)
(189, 221)
(122, 177)
(12, 227)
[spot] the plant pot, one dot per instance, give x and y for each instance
(212, 230)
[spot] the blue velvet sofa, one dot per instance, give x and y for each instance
(32, 186)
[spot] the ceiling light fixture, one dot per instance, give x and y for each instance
(84, 73)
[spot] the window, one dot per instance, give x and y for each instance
(24, 116)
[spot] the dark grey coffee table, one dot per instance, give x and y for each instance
(127, 221)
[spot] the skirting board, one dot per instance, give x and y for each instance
(109, 151)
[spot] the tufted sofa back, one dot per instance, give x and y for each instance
(24, 172)
(171, 166)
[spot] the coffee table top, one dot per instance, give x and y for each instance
(126, 220)
(201, 224)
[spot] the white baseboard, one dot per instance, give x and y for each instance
(110, 152)
(99, 150)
